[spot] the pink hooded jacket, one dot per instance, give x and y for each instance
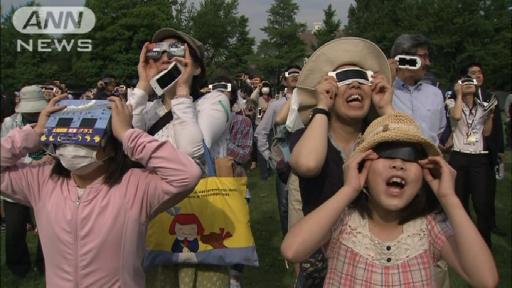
(99, 240)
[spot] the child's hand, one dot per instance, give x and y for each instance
(121, 117)
(440, 176)
(49, 109)
(355, 179)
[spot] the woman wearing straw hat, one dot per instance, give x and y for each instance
(337, 83)
(393, 233)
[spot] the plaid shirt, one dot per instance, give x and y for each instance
(240, 140)
(359, 259)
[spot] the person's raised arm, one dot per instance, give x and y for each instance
(314, 230)
(21, 181)
(455, 108)
(138, 98)
(308, 155)
(282, 114)
(188, 132)
(465, 251)
(170, 174)
(256, 93)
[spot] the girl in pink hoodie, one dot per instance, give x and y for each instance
(91, 207)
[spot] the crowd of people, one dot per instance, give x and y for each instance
(374, 169)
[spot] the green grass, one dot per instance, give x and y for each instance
(265, 225)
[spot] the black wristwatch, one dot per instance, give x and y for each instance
(318, 110)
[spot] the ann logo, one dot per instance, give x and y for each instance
(54, 20)
(63, 19)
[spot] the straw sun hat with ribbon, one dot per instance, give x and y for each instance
(333, 54)
(395, 127)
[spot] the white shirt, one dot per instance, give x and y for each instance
(192, 122)
(473, 121)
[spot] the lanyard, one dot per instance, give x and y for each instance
(469, 124)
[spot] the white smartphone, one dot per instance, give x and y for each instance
(166, 78)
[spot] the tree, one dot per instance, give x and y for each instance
(21, 66)
(224, 34)
(329, 28)
(283, 46)
(461, 31)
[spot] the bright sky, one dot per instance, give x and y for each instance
(256, 10)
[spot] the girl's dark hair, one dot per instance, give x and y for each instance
(424, 203)
(117, 165)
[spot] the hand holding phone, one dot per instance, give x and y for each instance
(165, 79)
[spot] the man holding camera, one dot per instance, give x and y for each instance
(413, 96)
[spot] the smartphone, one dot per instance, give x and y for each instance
(260, 112)
(165, 79)
(408, 62)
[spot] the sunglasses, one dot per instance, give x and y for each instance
(467, 81)
(291, 74)
(174, 49)
(346, 76)
(221, 86)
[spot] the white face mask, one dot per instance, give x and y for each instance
(78, 159)
(265, 90)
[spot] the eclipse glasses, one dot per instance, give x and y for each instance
(221, 86)
(156, 50)
(346, 76)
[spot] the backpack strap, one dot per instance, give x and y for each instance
(160, 123)
(226, 110)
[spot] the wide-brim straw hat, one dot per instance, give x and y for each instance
(395, 127)
(340, 51)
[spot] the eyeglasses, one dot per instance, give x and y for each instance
(221, 86)
(174, 49)
(346, 76)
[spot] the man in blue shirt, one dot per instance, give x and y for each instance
(417, 98)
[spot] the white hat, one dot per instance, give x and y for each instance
(31, 100)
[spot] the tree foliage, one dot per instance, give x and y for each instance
(330, 27)
(121, 29)
(224, 34)
(283, 46)
(461, 31)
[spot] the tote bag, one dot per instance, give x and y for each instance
(210, 226)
